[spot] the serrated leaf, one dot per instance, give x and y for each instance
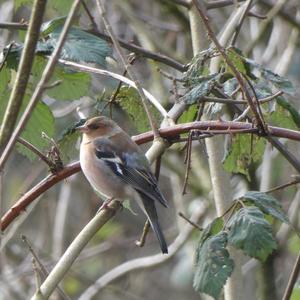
(80, 46)
(279, 82)
(201, 87)
(251, 232)
(213, 266)
(211, 229)
(129, 100)
(245, 149)
(267, 204)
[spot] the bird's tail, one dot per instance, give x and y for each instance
(151, 213)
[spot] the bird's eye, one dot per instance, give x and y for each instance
(93, 126)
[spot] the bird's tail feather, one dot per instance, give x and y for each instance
(151, 213)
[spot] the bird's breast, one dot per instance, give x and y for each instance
(100, 176)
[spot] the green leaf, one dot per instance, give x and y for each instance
(237, 60)
(296, 293)
(290, 108)
(250, 232)
(213, 266)
(279, 82)
(129, 100)
(79, 46)
(212, 228)
(201, 87)
(40, 121)
(51, 25)
(267, 204)
(189, 115)
(282, 118)
(73, 84)
(230, 86)
(245, 149)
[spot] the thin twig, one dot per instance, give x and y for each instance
(42, 268)
(180, 214)
(222, 51)
(128, 68)
(239, 25)
(22, 77)
(36, 151)
(187, 161)
(86, 9)
(40, 86)
(142, 240)
(292, 279)
(282, 186)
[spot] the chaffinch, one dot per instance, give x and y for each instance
(116, 168)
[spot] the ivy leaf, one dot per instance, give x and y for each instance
(281, 117)
(213, 265)
(245, 149)
(267, 204)
(251, 232)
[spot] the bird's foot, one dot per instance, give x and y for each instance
(105, 205)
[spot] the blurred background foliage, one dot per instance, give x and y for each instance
(160, 26)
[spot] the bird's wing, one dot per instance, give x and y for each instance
(131, 167)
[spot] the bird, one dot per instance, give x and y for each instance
(116, 167)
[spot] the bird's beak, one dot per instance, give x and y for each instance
(82, 128)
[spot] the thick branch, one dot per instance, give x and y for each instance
(143, 262)
(172, 132)
(19, 88)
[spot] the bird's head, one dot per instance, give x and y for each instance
(99, 126)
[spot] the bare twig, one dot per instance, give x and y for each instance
(180, 214)
(292, 279)
(128, 68)
(36, 151)
(142, 240)
(24, 68)
(187, 161)
(283, 186)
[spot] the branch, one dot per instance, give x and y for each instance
(40, 86)
(144, 262)
(172, 132)
(292, 279)
(128, 68)
(129, 46)
(88, 69)
(74, 249)
(24, 68)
